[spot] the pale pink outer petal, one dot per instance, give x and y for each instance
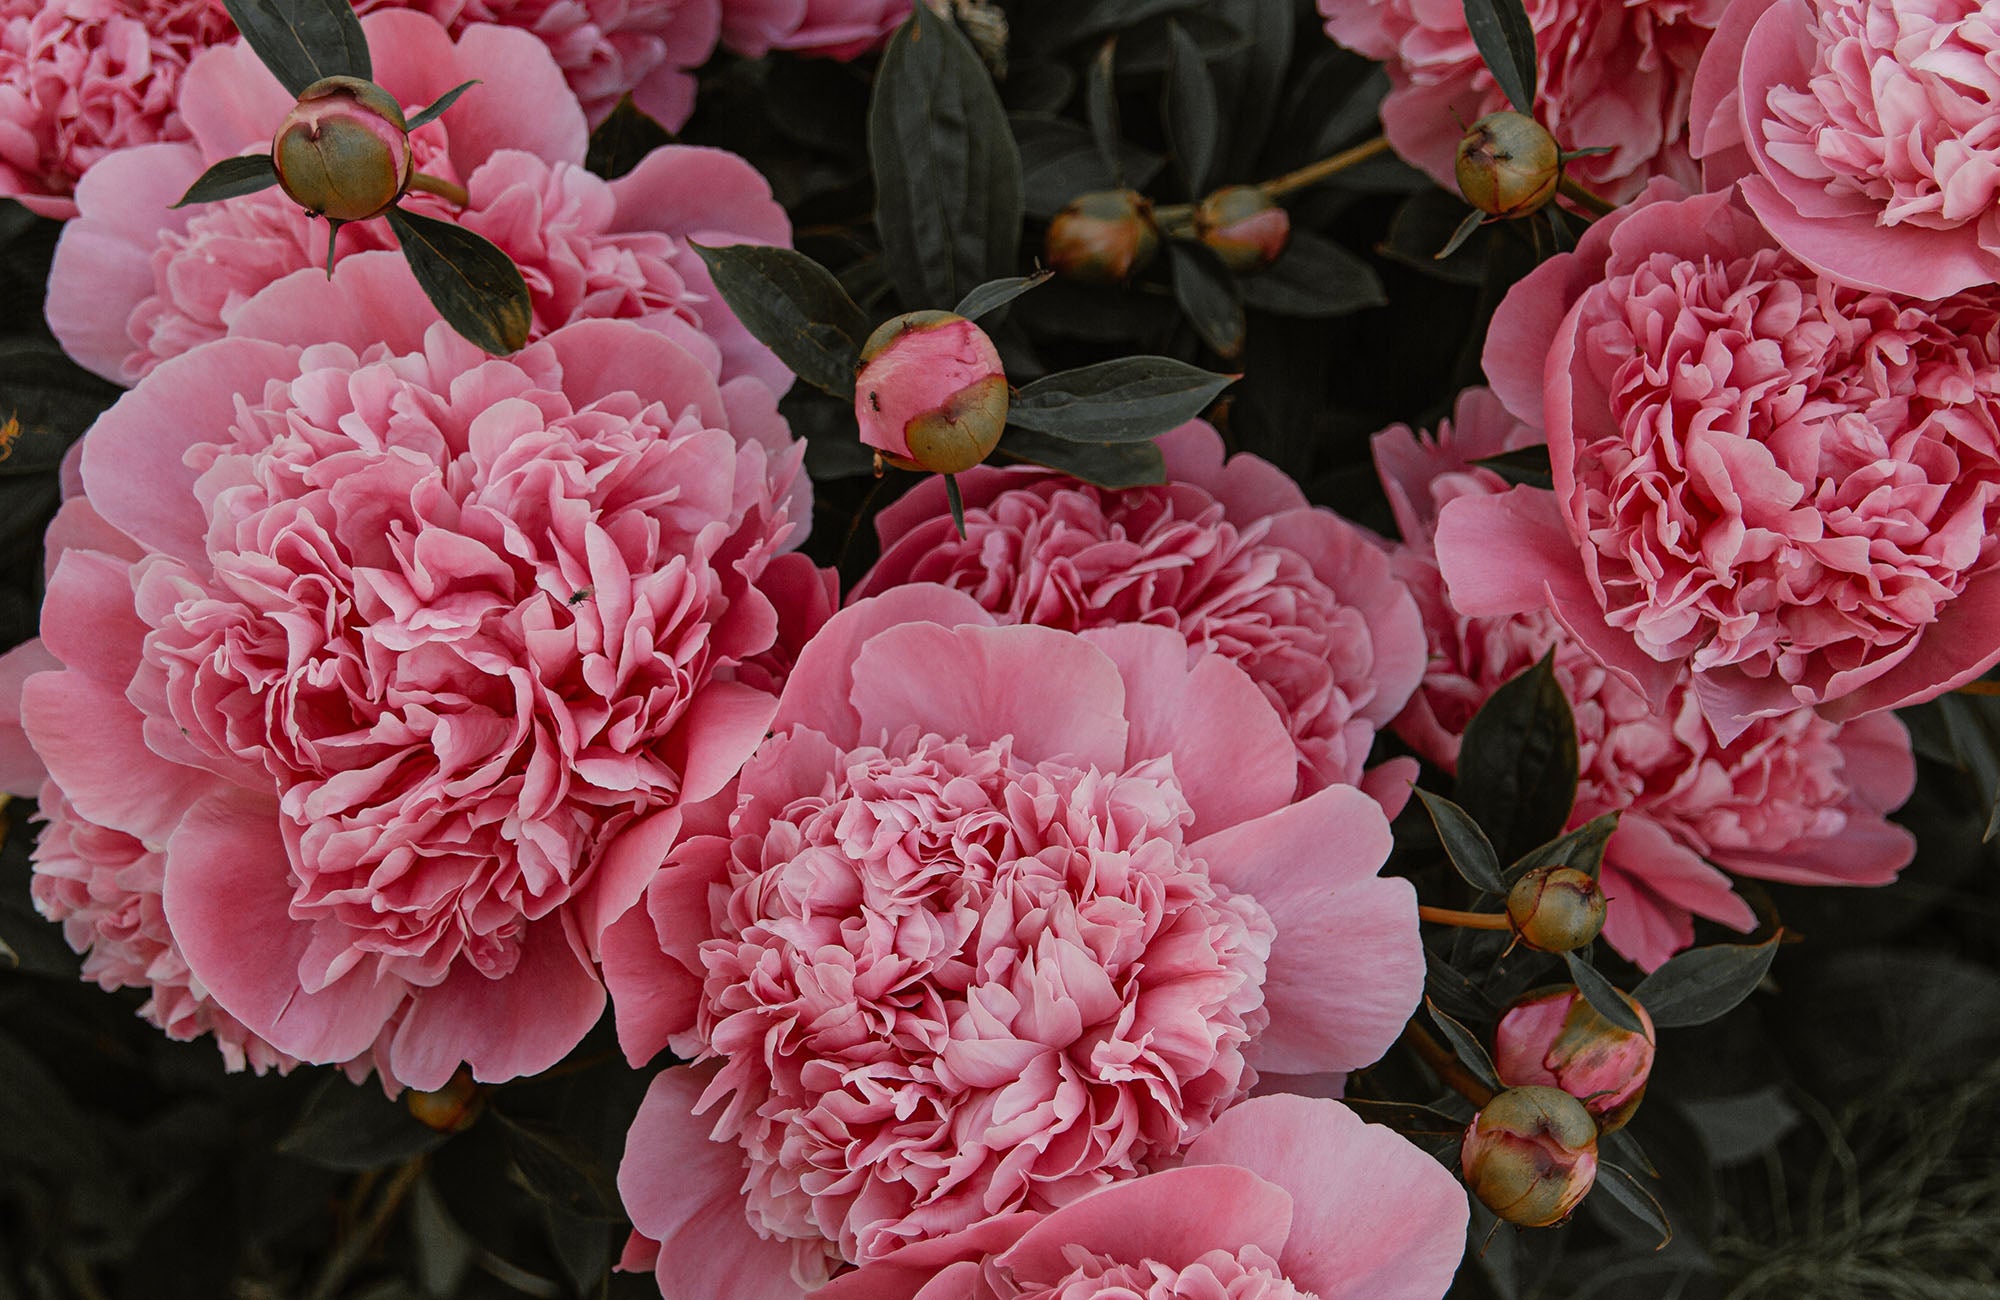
(1249, 487)
(370, 298)
(92, 740)
(1715, 111)
(603, 357)
(627, 867)
(699, 193)
(1347, 969)
(1231, 752)
(1352, 561)
(753, 27)
(1960, 646)
(1173, 1217)
(522, 102)
(683, 1189)
(228, 894)
(903, 1273)
(1654, 884)
(21, 769)
(1373, 1217)
(1055, 694)
(230, 102)
(650, 954)
(816, 694)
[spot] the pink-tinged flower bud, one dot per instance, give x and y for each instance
(451, 1109)
(1508, 165)
(1105, 238)
(1245, 227)
(1530, 1155)
(1556, 909)
(931, 393)
(1553, 1038)
(343, 152)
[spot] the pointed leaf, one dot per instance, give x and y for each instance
(1453, 991)
(1407, 1118)
(1134, 399)
(1208, 297)
(1623, 1148)
(231, 177)
(1465, 1045)
(1703, 984)
(1518, 763)
(354, 1127)
(1582, 848)
(1473, 221)
(1602, 995)
(1313, 280)
(1506, 41)
(475, 287)
(1103, 464)
(622, 139)
(1100, 108)
(1464, 843)
(302, 41)
(1188, 109)
(436, 108)
(1060, 160)
(948, 191)
(956, 502)
(1624, 1187)
(793, 306)
(995, 294)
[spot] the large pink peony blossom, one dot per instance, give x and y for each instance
(407, 660)
(833, 29)
(1863, 133)
(81, 78)
(1788, 488)
(607, 48)
(1001, 914)
(1614, 73)
(1794, 798)
(1228, 554)
(1285, 1198)
(136, 281)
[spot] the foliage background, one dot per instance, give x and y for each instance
(1832, 1137)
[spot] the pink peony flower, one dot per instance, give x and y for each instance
(1001, 914)
(1863, 133)
(1614, 74)
(1228, 554)
(1787, 488)
(607, 48)
(833, 29)
(1556, 1039)
(406, 662)
(1285, 1198)
(1795, 798)
(136, 281)
(81, 78)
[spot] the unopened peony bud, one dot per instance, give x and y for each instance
(1508, 165)
(452, 1108)
(931, 393)
(1244, 226)
(1554, 1038)
(1106, 237)
(1530, 1155)
(343, 152)
(1556, 909)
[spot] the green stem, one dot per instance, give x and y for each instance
(1314, 173)
(1596, 204)
(450, 191)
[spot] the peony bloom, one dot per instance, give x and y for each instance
(1285, 1198)
(82, 78)
(606, 48)
(1614, 73)
(1862, 131)
(136, 282)
(1228, 554)
(1001, 914)
(403, 658)
(1795, 798)
(1786, 488)
(833, 29)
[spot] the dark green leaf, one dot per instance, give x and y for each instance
(353, 1126)
(1453, 991)
(1188, 109)
(1100, 108)
(1248, 84)
(1506, 40)
(1460, 233)
(948, 200)
(582, 1244)
(1407, 1118)
(1424, 223)
(1084, 19)
(1464, 843)
(1060, 160)
(1130, 400)
(793, 306)
(955, 502)
(301, 41)
(437, 106)
(995, 294)
(623, 139)
(1314, 279)
(1582, 848)
(1624, 1187)
(552, 1166)
(1973, 724)
(231, 177)
(1355, 110)
(1703, 984)
(1146, 50)
(1517, 765)
(443, 1251)
(1623, 1148)
(1104, 464)
(1529, 465)
(1208, 296)
(1602, 994)
(1466, 1047)
(475, 287)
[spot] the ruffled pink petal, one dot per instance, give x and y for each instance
(816, 696)
(1249, 487)
(92, 741)
(651, 954)
(1655, 885)
(371, 298)
(1171, 1217)
(21, 769)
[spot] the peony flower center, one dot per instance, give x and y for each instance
(1900, 111)
(951, 984)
